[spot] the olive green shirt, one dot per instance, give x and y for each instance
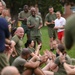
(31, 49)
(19, 63)
(19, 44)
(24, 15)
(61, 70)
(49, 17)
(37, 20)
(3, 61)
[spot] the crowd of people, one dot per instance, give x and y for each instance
(24, 58)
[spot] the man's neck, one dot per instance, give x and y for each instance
(51, 12)
(33, 15)
(26, 11)
(23, 57)
(59, 17)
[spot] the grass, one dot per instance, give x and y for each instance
(45, 42)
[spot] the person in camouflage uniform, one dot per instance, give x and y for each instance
(34, 23)
(23, 15)
(49, 21)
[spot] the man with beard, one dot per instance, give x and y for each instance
(28, 67)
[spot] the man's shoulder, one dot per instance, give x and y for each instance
(63, 18)
(47, 14)
(30, 17)
(56, 19)
(18, 59)
(38, 16)
(21, 12)
(15, 38)
(3, 20)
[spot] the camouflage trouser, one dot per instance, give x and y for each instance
(26, 29)
(51, 32)
(3, 61)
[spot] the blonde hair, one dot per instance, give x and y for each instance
(3, 3)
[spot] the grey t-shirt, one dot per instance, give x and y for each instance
(19, 64)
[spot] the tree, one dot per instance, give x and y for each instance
(14, 5)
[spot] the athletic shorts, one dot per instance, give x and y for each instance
(60, 35)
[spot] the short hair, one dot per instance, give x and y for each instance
(33, 8)
(25, 6)
(3, 3)
(25, 51)
(50, 6)
(61, 48)
(58, 12)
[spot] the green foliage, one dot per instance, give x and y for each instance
(46, 40)
(14, 5)
(46, 45)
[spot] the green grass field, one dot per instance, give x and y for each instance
(45, 42)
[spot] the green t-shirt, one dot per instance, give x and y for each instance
(23, 15)
(34, 21)
(3, 61)
(49, 17)
(19, 44)
(19, 64)
(31, 49)
(61, 70)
